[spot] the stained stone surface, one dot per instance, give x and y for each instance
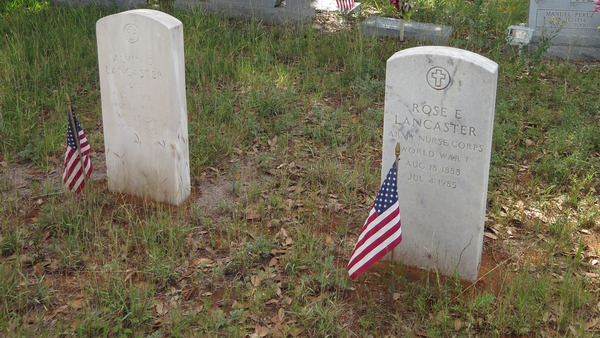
(144, 109)
(574, 23)
(292, 12)
(390, 27)
(104, 3)
(439, 105)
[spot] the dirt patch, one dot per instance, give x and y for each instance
(25, 177)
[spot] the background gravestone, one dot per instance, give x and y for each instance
(144, 109)
(573, 21)
(291, 11)
(104, 3)
(439, 104)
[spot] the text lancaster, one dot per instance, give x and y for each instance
(444, 127)
(433, 119)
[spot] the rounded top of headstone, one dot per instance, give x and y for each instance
(446, 52)
(164, 19)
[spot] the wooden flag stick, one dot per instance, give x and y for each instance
(392, 265)
(74, 128)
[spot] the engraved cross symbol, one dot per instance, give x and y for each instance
(131, 32)
(438, 76)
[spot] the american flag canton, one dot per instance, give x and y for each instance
(73, 176)
(388, 194)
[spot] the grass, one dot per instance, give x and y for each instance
(285, 137)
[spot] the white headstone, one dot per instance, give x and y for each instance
(144, 109)
(439, 105)
(575, 24)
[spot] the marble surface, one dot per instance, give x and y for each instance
(425, 32)
(439, 105)
(294, 11)
(574, 23)
(144, 109)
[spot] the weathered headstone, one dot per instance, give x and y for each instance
(574, 23)
(390, 27)
(103, 3)
(144, 109)
(291, 11)
(439, 105)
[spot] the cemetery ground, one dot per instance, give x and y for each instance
(285, 128)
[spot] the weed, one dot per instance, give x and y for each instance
(117, 308)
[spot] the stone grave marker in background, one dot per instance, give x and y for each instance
(419, 31)
(103, 3)
(290, 11)
(439, 104)
(275, 11)
(573, 21)
(144, 108)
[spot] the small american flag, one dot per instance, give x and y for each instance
(381, 232)
(73, 172)
(345, 5)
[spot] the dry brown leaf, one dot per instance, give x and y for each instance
(275, 319)
(328, 239)
(158, 322)
(261, 331)
(289, 241)
(188, 293)
(421, 333)
(490, 235)
(252, 214)
(591, 324)
(74, 325)
(546, 317)
(173, 302)
(24, 258)
(273, 142)
(255, 280)
(573, 330)
(45, 236)
(161, 309)
(281, 314)
(38, 268)
(273, 261)
(457, 324)
(129, 275)
(202, 261)
(76, 304)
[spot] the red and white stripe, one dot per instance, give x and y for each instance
(345, 5)
(73, 176)
(380, 234)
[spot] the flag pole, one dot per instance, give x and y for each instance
(392, 265)
(76, 134)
